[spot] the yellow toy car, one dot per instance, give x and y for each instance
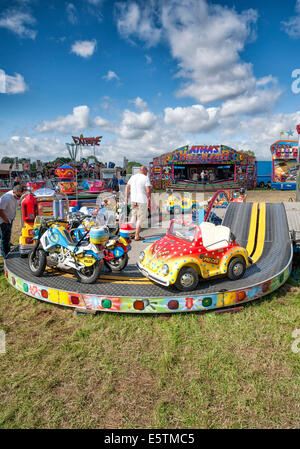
(190, 252)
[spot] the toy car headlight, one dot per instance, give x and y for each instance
(165, 269)
(141, 256)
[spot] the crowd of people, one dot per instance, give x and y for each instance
(204, 177)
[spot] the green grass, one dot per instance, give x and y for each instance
(63, 370)
(193, 370)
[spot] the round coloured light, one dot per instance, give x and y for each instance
(44, 293)
(138, 305)
(106, 303)
(75, 300)
(173, 304)
(25, 287)
(206, 302)
(241, 296)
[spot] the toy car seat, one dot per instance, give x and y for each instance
(214, 237)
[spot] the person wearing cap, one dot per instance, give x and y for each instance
(8, 209)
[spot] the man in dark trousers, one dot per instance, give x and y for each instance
(8, 208)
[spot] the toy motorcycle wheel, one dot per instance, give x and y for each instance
(236, 268)
(37, 262)
(187, 279)
(118, 263)
(89, 275)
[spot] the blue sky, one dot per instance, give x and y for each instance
(149, 76)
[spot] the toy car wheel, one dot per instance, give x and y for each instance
(187, 279)
(118, 263)
(37, 262)
(236, 268)
(89, 275)
(177, 210)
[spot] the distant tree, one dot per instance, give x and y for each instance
(7, 160)
(249, 152)
(130, 165)
(62, 160)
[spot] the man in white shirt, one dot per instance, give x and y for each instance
(8, 208)
(139, 188)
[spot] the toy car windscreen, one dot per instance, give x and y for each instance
(182, 231)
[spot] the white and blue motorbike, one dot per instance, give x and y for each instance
(84, 257)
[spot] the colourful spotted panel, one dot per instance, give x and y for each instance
(188, 303)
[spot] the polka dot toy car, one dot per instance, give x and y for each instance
(190, 252)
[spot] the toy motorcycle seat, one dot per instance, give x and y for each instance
(214, 237)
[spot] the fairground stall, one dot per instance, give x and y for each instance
(203, 167)
(284, 155)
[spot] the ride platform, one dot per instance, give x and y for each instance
(261, 228)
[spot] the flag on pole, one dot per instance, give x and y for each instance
(281, 133)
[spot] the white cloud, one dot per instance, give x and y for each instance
(205, 39)
(139, 22)
(18, 22)
(292, 26)
(258, 133)
(260, 101)
(110, 76)
(193, 119)
(23, 146)
(139, 103)
(95, 2)
(12, 84)
(135, 125)
(103, 124)
(78, 121)
(266, 80)
(84, 48)
(72, 13)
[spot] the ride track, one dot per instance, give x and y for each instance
(261, 228)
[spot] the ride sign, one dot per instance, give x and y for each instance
(87, 140)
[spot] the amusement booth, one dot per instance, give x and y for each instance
(223, 167)
(284, 156)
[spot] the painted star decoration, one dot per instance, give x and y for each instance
(290, 132)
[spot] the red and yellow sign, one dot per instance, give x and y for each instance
(87, 140)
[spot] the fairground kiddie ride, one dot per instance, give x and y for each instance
(285, 155)
(224, 167)
(90, 186)
(262, 234)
